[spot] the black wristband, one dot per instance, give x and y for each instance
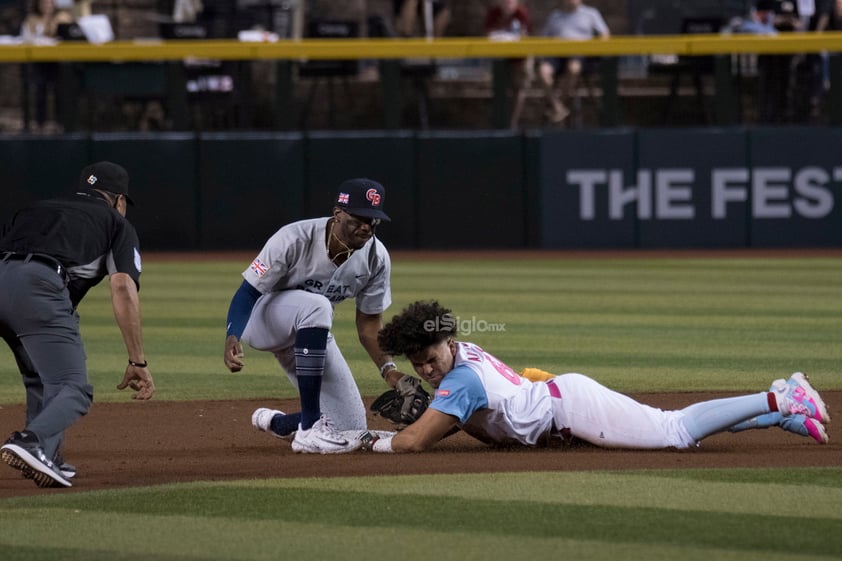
(143, 364)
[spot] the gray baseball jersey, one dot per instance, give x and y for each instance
(295, 257)
(300, 287)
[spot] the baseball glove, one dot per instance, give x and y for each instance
(403, 405)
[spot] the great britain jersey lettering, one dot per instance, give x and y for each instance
(333, 292)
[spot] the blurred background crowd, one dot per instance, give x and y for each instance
(550, 92)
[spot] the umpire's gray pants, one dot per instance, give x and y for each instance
(38, 322)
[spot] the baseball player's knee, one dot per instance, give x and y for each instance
(318, 314)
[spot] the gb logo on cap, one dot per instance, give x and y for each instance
(373, 196)
(91, 179)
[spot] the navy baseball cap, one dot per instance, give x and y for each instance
(362, 197)
(106, 176)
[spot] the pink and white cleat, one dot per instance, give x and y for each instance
(798, 397)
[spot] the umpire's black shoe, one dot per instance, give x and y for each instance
(23, 451)
(67, 470)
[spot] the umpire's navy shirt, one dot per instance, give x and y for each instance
(82, 231)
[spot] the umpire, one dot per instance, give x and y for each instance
(51, 254)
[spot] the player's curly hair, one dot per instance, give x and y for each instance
(420, 325)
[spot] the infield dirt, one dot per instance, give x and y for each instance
(120, 445)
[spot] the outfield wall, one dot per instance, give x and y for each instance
(640, 188)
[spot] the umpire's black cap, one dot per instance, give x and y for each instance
(362, 197)
(106, 176)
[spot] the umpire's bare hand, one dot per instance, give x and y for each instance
(233, 354)
(140, 380)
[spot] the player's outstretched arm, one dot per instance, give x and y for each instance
(126, 306)
(420, 435)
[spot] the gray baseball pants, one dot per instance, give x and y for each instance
(41, 327)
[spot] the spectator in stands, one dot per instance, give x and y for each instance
(817, 63)
(41, 24)
(41, 27)
(509, 20)
(187, 11)
(410, 21)
(573, 20)
(409, 12)
(759, 21)
(835, 24)
(777, 71)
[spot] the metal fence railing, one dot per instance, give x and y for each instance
(726, 50)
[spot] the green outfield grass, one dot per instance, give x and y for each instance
(634, 324)
(740, 515)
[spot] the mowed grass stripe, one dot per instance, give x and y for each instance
(178, 538)
(704, 490)
(46, 552)
(517, 519)
(635, 325)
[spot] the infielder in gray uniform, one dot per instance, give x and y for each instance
(285, 306)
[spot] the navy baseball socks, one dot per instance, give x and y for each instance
(315, 434)
(310, 358)
(310, 432)
(321, 438)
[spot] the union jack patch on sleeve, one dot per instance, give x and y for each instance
(259, 268)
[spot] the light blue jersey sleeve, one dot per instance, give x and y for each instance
(460, 394)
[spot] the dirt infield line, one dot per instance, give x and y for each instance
(122, 445)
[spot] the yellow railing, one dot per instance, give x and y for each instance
(475, 47)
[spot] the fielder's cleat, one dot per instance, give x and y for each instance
(799, 397)
(261, 419)
(322, 438)
(23, 452)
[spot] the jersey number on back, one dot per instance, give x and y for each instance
(476, 354)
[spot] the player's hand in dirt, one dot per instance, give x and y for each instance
(233, 354)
